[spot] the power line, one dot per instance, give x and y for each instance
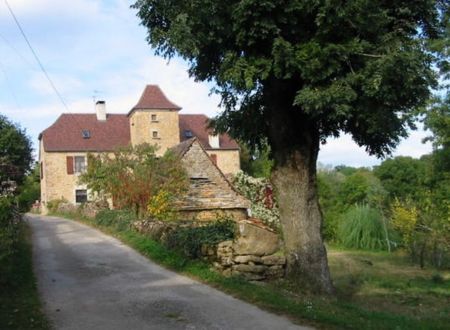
(36, 57)
(10, 45)
(8, 83)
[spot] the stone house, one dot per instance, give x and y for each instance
(63, 149)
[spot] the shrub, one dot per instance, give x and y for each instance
(190, 240)
(363, 227)
(9, 233)
(54, 204)
(118, 219)
(160, 206)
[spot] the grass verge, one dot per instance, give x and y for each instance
(345, 311)
(20, 307)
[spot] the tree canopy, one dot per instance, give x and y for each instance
(15, 153)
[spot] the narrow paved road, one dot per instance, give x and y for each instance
(89, 280)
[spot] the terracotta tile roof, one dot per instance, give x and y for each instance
(196, 124)
(153, 98)
(66, 133)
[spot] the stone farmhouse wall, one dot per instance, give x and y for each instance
(166, 124)
(227, 160)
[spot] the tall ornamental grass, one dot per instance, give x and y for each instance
(363, 227)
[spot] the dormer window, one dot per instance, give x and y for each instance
(188, 134)
(86, 134)
(154, 118)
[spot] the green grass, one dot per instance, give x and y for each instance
(368, 295)
(20, 307)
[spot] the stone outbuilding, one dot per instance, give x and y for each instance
(210, 194)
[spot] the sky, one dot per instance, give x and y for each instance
(97, 50)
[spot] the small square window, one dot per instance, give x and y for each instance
(81, 196)
(155, 134)
(154, 118)
(188, 134)
(86, 134)
(80, 164)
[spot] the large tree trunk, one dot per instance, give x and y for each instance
(295, 139)
(301, 220)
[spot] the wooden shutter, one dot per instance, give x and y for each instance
(214, 158)
(69, 163)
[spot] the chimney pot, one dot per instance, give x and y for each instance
(100, 109)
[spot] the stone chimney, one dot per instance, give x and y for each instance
(214, 141)
(100, 109)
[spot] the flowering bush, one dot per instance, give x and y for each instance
(260, 193)
(160, 206)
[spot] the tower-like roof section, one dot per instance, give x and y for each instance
(153, 98)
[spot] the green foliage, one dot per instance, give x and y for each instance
(54, 204)
(404, 218)
(190, 240)
(133, 175)
(30, 190)
(363, 227)
(325, 58)
(401, 177)
(329, 183)
(15, 154)
(256, 163)
(120, 220)
(361, 187)
(8, 236)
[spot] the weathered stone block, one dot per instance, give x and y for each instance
(275, 272)
(247, 259)
(255, 240)
(274, 260)
(244, 268)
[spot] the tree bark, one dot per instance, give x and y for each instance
(295, 139)
(301, 221)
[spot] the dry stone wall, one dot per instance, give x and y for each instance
(254, 254)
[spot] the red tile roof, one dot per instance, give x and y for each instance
(197, 125)
(66, 133)
(153, 98)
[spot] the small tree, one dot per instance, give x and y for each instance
(133, 175)
(15, 154)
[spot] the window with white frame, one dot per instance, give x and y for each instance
(80, 196)
(79, 164)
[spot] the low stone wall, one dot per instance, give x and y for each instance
(254, 254)
(213, 214)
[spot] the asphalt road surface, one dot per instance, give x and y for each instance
(89, 280)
